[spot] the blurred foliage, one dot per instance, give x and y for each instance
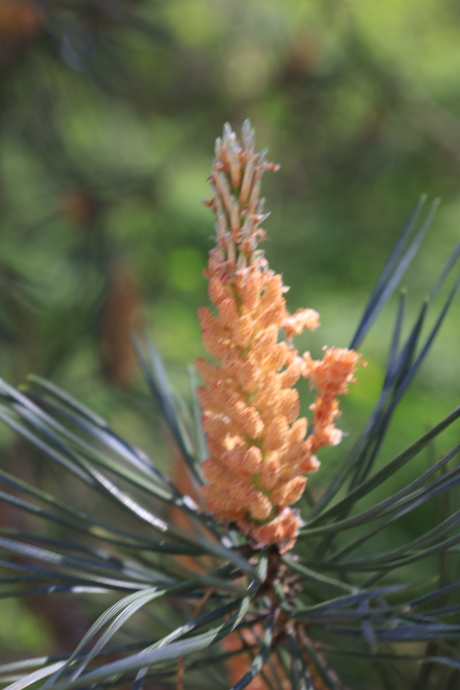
(108, 109)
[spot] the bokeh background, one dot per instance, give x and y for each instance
(108, 114)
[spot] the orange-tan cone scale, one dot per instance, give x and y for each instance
(258, 449)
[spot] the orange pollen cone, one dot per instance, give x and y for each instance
(257, 446)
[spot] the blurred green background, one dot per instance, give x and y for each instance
(108, 114)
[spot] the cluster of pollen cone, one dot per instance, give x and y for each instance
(259, 449)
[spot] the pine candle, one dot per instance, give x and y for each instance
(259, 450)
